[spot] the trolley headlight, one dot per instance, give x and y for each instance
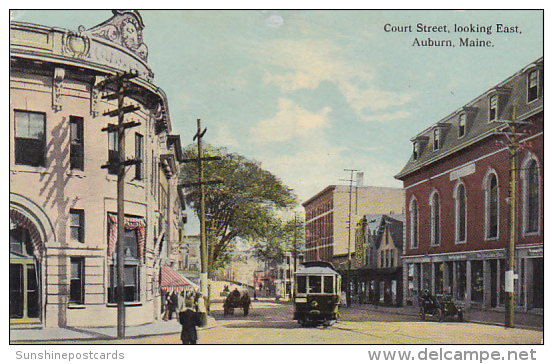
(314, 303)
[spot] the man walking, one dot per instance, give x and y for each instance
(189, 319)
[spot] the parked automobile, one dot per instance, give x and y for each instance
(438, 307)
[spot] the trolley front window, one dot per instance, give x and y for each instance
(314, 284)
(301, 284)
(328, 284)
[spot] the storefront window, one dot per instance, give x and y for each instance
(461, 279)
(439, 277)
(477, 281)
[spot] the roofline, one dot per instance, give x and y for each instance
(334, 187)
(486, 93)
(470, 142)
(326, 190)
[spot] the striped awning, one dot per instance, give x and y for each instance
(171, 280)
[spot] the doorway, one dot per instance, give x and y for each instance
(24, 279)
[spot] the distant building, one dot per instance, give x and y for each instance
(377, 272)
(458, 202)
(63, 204)
(328, 231)
(190, 253)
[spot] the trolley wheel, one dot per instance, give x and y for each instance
(422, 314)
(460, 315)
(438, 314)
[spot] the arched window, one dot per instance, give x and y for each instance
(530, 196)
(491, 203)
(414, 223)
(460, 214)
(435, 218)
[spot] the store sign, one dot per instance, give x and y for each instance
(535, 252)
(498, 254)
(457, 257)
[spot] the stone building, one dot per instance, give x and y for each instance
(62, 202)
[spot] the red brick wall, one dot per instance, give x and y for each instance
(475, 193)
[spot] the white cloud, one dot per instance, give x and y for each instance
(304, 64)
(290, 121)
(224, 137)
(396, 115)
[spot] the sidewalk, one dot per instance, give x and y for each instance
(90, 333)
(523, 320)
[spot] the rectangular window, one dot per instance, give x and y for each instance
(76, 146)
(493, 107)
(131, 287)
(328, 284)
(436, 139)
(30, 138)
(138, 155)
(314, 284)
(301, 284)
(76, 225)
(415, 151)
(76, 290)
(462, 125)
(132, 269)
(533, 85)
(113, 152)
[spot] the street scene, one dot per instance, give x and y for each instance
(286, 177)
(270, 322)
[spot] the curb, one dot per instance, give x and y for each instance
(211, 323)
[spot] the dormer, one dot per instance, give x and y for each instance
(438, 135)
(419, 142)
(497, 100)
(465, 118)
(533, 74)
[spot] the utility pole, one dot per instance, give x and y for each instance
(510, 276)
(348, 276)
(510, 269)
(120, 83)
(202, 183)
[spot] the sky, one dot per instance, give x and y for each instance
(311, 93)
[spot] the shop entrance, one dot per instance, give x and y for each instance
(24, 279)
(538, 287)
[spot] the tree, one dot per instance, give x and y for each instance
(244, 205)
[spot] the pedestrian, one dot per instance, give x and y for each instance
(189, 319)
(172, 305)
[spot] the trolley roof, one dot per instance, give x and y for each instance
(316, 271)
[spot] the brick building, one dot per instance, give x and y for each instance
(327, 217)
(457, 198)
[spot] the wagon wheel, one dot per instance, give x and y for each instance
(438, 314)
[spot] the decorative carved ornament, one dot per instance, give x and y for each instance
(124, 28)
(57, 87)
